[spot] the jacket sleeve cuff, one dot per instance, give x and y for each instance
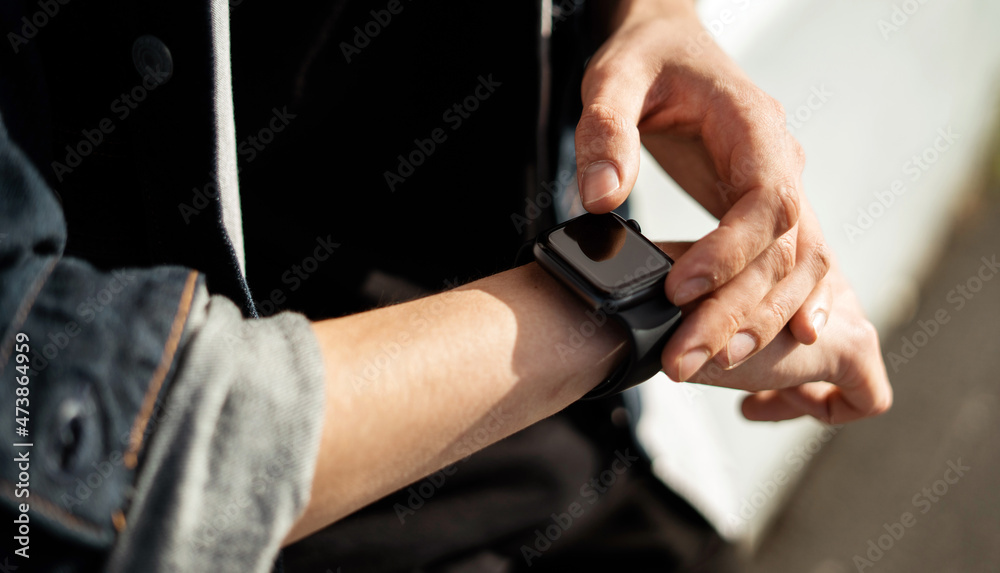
(230, 461)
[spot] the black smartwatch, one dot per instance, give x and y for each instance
(607, 263)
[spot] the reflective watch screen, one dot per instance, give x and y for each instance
(608, 252)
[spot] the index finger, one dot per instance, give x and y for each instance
(763, 209)
(787, 377)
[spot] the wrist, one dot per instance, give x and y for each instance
(569, 343)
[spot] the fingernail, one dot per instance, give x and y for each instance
(819, 321)
(691, 362)
(740, 346)
(600, 179)
(690, 290)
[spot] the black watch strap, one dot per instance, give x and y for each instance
(648, 327)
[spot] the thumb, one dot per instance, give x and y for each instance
(607, 139)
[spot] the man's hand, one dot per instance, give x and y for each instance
(847, 359)
(724, 141)
(839, 379)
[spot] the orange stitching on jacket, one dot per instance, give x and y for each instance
(118, 520)
(135, 439)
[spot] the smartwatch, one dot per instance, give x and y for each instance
(606, 262)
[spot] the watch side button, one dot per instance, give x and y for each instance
(635, 225)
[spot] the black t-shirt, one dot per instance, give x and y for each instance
(410, 140)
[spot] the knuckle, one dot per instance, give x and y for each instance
(777, 313)
(862, 340)
(822, 258)
(599, 122)
(777, 109)
(881, 406)
(867, 335)
(728, 267)
(728, 317)
(786, 208)
(759, 110)
(732, 321)
(756, 98)
(735, 259)
(785, 255)
(736, 95)
(797, 151)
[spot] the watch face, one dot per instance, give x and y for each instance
(609, 254)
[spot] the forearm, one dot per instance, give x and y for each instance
(409, 385)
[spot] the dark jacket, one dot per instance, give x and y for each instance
(112, 166)
(100, 329)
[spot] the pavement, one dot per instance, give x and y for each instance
(916, 490)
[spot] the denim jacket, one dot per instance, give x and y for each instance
(140, 428)
(90, 391)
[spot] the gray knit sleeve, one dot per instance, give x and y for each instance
(230, 462)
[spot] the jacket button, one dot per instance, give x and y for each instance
(152, 58)
(76, 439)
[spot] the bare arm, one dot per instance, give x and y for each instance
(410, 388)
(408, 385)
